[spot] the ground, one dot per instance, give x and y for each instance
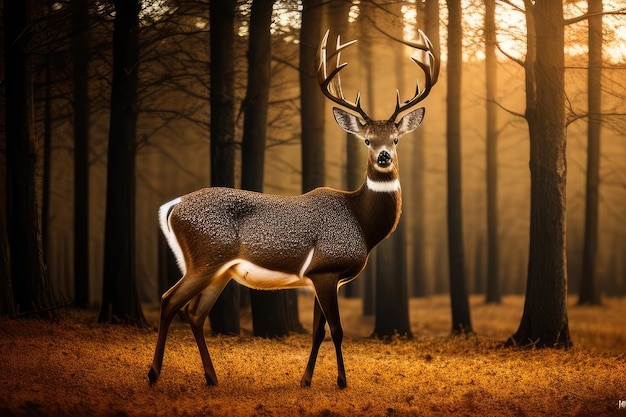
(76, 367)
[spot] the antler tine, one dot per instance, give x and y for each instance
(431, 74)
(331, 83)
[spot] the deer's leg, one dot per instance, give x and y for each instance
(318, 337)
(326, 292)
(197, 312)
(171, 302)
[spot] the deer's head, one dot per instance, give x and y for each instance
(380, 136)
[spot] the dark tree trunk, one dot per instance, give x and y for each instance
(120, 301)
(544, 322)
(491, 73)
(31, 288)
(392, 292)
(7, 307)
(337, 12)
(367, 30)
(392, 301)
(269, 308)
(224, 315)
(80, 58)
(588, 293)
(461, 320)
(311, 99)
(422, 284)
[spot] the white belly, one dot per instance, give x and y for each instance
(254, 276)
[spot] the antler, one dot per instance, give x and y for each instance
(431, 71)
(331, 84)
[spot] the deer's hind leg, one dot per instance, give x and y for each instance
(172, 301)
(197, 311)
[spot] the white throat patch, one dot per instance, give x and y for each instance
(383, 186)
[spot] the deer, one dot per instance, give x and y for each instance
(319, 240)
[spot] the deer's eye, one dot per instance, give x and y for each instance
(395, 141)
(367, 142)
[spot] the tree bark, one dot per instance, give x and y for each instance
(491, 81)
(80, 58)
(461, 320)
(7, 307)
(30, 284)
(544, 322)
(588, 294)
(224, 315)
(392, 292)
(120, 301)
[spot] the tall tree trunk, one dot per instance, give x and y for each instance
(120, 301)
(365, 50)
(392, 292)
(311, 100)
(588, 294)
(224, 315)
(337, 16)
(30, 284)
(7, 307)
(491, 82)
(544, 322)
(269, 308)
(80, 58)
(461, 320)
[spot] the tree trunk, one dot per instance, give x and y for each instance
(311, 100)
(224, 315)
(337, 12)
(392, 292)
(461, 320)
(80, 58)
(428, 18)
(120, 301)
(269, 308)
(31, 288)
(491, 81)
(544, 322)
(588, 294)
(7, 307)
(392, 301)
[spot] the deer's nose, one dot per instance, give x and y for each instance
(384, 159)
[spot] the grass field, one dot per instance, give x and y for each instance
(77, 367)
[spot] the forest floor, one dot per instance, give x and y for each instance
(76, 367)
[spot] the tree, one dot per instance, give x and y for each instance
(311, 100)
(224, 315)
(29, 283)
(120, 302)
(391, 296)
(429, 20)
(338, 12)
(587, 294)
(491, 73)
(269, 308)
(461, 320)
(80, 58)
(544, 321)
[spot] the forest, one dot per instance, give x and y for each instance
(514, 185)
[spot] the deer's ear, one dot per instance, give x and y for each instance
(411, 121)
(348, 121)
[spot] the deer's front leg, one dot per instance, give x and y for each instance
(326, 292)
(318, 337)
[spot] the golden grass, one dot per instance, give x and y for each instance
(77, 367)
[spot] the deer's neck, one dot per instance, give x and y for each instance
(377, 205)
